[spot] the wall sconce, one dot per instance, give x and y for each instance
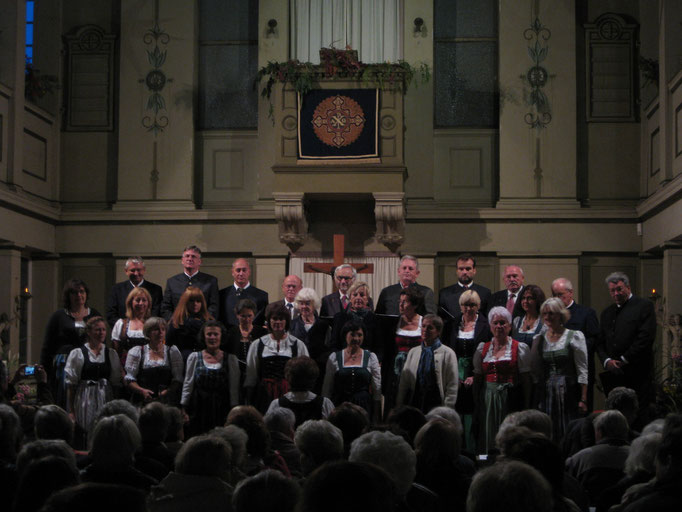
(272, 26)
(419, 28)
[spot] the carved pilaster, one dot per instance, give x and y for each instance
(389, 212)
(290, 215)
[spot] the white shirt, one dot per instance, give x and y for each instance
(75, 362)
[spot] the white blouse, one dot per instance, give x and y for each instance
(333, 366)
(522, 361)
(75, 362)
(118, 327)
(138, 357)
(232, 369)
(577, 346)
(271, 348)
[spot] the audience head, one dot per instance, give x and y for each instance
(374, 490)
(344, 277)
(511, 486)
(277, 311)
(301, 373)
(10, 433)
(101, 497)
(118, 406)
(611, 425)
(408, 418)
(318, 441)
(654, 427)
(642, 455)
(115, 439)
(520, 443)
(624, 400)
(176, 424)
(282, 420)
(408, 270)
(41, 479)
(390, 452)
(237, 438)
(307, 296)
(352, 420)
(205, 456)
(669, 456)
(138, 299)
(437, 444)
(535, 420)
(251, 421)
(154, 422)
(53, 422)
(447, 414)
(268, 491)
(75, 294)
(42, 448)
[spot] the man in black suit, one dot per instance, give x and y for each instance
(625, 344)
(510, 297)
(116, 305)
(408, 270)
(290, 287)
(583, 319)
(241, 289)
(335, 302)
(176, 285)
(448, 298)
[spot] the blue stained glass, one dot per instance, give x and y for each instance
(29, 11)
(29, 54)
(29, 35)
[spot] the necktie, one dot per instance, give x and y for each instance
(510, 303)
(239, 291)
(290, 306)
(344, 302)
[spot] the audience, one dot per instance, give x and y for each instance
(200, 480)
(268, 491)
(318, 441)
(281, 424)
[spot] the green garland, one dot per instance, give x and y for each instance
(341, 65)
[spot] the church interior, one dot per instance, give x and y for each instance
(548, 135)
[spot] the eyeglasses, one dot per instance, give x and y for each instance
(344, 278)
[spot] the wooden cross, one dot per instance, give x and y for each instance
(328, 268)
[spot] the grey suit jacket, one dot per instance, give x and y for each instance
(176, 285)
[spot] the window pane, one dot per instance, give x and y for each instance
(465, 18)
(466, 84)
(29, 10)
(29, 34)
(228, 20)
(226, 95)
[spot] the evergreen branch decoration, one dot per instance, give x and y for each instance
(336, 64)
(540, 114)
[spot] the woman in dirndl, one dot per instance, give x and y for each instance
(267, 357)
(353, 374)
(559, 362)
(154, 371)
(91, 373)
(211, 386)
(501, 378)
